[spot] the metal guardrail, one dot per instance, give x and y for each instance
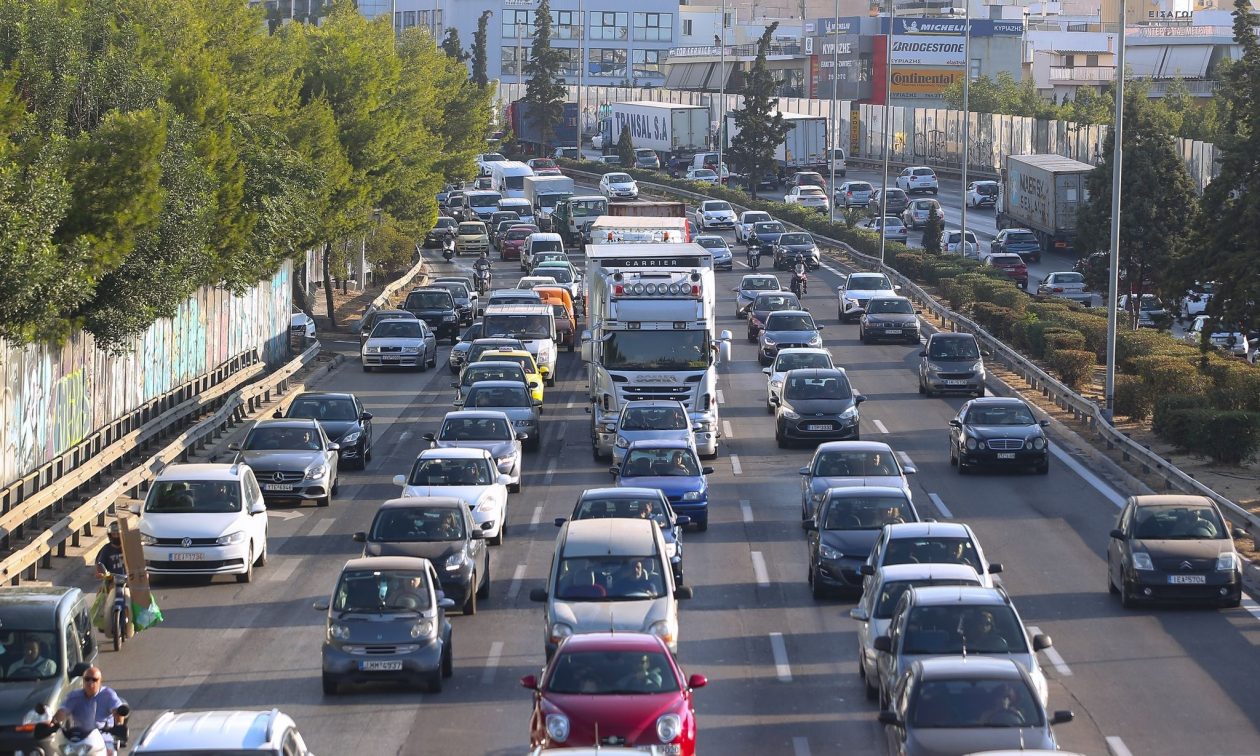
(382, 300)
(26, 561)
(1082, 409)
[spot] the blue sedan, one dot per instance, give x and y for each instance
(673, 466)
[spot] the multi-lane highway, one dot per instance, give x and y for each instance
(782, 666)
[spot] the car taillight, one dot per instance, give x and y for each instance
(1057, 290)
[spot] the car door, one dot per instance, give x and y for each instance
(253, 497)
(330, 457)
(1118, 548)
(477, 547)
(886, 661)
(365, 422)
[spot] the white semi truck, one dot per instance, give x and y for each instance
(650, 310)
(544, 192)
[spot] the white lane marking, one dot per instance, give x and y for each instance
(940, 506)
(569, 405)
(735, 466)
(404, 436)
(800, 746)
(181, 695)
(1090, 478)
(741, 264)
(827, 267)
(1117, 747)
(1052, 653)
(1251, 606)
(322, 526)
(279, 573)
(905, 459)
(537, 518)
(551, 472)
(514, 589)
(492, 662)
(721, 397)
(779, 649)
(745, 506)
(726, 429)
(759, 568)
(881, 427)
(284, 514)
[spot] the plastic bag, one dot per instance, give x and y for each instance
(98, 608)
(145, 617)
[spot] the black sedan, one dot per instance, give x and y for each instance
(843, 530)
(794, 244)
(638, 504)
(1174, 548)
(890, 318)
(442, 230)
(997, 431)
(343, 419)
(463, 300)
(816, 405)
(765, 304)
(765, 235)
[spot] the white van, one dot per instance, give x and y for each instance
(520, 206)
(610, 575)
(507, 177)
(534, 325)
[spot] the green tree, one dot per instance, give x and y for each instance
(545, 91)
(479, 50)
(760, 126)
(625, 147)
(932, 231)
(452, 46)
(1153, 181)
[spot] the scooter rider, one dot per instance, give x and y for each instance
(754, 257)
(482, 266)
(109, 560)
(800, 275)
(95, 706)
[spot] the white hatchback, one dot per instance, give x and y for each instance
(467, 474)
(206, 519)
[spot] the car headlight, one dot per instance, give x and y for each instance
(485, 505)
(622, 443)
(338, 632)
(455, 561)
(664, 629)
(776, 382)
(1142, 561)
(1227, 562)
(410, 350)
(818, 496)
(827, 552)
(789, 414)
(668, 727)
(317, 472)
(231, 538)
(505, 464)
(448, 318)
(1038, 443)
(970, 443)
(978, 367)
(768, 341)
(815, 340)
(422, 629)
(147, 540)
(372, 350)
(558, 727)
(849, 414)
(350, 437)
(560, 631)
(691, 496)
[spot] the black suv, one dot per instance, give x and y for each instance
(463, 300)
(436, 307)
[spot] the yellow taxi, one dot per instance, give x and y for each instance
(526, 360)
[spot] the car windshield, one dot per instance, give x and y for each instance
(954, 349)
(543, 163)
(890, 306)
(868, 283)
(942, 549)
(760, 284)
(471, 334)
(703, 173)
(524, 360)
(521, 326)
(373, 591)
(653, 418)
(789, 322)
(769, 227)
(798, 360)
(416, 524)
(397, 329)
(1000, 414)
(492, 157)
(482, 200)
(522, 298)
(656, 350)
(444, 223)
(660, 462)
(323, 408)
(545, 245)
(975, 703)
(475, 373)
(475, 429)
(517, 234)
(1022, 237)
(609, 578)
(716, 207)
(962, 629)
(29, 654)
(562, 274)
(476, 350)
(787, 239)
(756, 217)
(587, 208)
(451, 472)
(635, 508)
(194, 496)
(891, 592)
(561, 312)
(428, 300)
(272, 438)
(618, 178)
(817, 387)
(472, 228)
(772, 302)
(497, 396)
(865, 512)
(1178, 523)
(846, 464)
(711, 242)
(612, 673)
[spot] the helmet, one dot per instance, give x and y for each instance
(115, 534)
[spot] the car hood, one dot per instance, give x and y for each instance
(604, 616)
(851, 543)
(496, 448)
(892, 317)
(470, 494)
(515, 413)
(819, 485)
(428, 312)
(655, 435)
(1206, 548)
(19, 698)
(808, 407)
(394, 342)
(802, 248)
(792, 336)
(338, 428)
(271, 461)
(435, 551)
(944, 741)
(622, 187)
(630, 717)
(190, 524)
(387, 627)
(671, 485)
(1004, 431)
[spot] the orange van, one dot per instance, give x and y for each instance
(561, 303)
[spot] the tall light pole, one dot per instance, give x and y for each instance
(1113, 275)
(883, 193)
(721, 109)
(962, 244)
(581, 70)
(835, 72)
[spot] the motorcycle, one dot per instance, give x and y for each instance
(448, 249)
(483, 281)
(75, 741)
(119, 623)
(754, 257)
(800, 277)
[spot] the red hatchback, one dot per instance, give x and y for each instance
(513, 241)
(1012, 265)
(624, 689)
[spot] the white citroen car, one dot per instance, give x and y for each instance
(467, 474)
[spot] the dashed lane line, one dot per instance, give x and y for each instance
(759, 569)
(745, 507)
(881, 427)
(735, 466)
(800, 746)
(492, 662)
(514, 589)
(779, 650)
(940, 506)
(726, 429)
(1117, 747)
(322, 526)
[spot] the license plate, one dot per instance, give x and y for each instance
(389, 360)
(380, 666)
(818, 426)
(1006, 455)
(187, 556)
(1187, 579)
(955, 383)
(277, 487)
(893, 331)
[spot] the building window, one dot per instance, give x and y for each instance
(726, 21)
(409, 19)
(609, 26)
(566, 25)
(686, 30)
(607, 61)
(508, 61)
(974, 69)
(654, 27)
(1091, 60)
(648, 62)
(569, 60)
(398, 20)
(518, 22)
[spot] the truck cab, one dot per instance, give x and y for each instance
(573, 217)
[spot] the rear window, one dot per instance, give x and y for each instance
(923, 172)
(859, 187)
(1022, 237)
(986, 189)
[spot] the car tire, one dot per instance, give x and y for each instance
(248, 575)
(483, 590)
(514, 487)
(324, 501)
(769, 408)
(1111, 587)
(434, 683)
(862, 335)
(980, 392)
(1126, 597)
(262, 559)
(1043, 468)
(703, 525)
(816, 589)
(454, 339)
(761, 360)
(962, 468)
(448, 660)
(498, 540)
(779, 439)
(871, 691)
(470, 601)
(953, 458)
(751, 337)
(1232, 603)
(331, 686)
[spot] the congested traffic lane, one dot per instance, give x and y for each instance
(782, 666)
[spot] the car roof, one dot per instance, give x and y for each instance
(805, 350)
(457, 452)
(546, 236)
(925, 529)
(936, 595)
(618, 641)
(202, 471)
(1171, 500)
(890, 492)
(388, 562)
(494, 363)
(852, 276)
(946, 336)
(878, 446)
(499, 352)
(609, 536)
(949, 667)
(25, 606)
(998, 401)
(475, 415)
(393, 314)
(928, 571)
(660, 443)
(436, 502)
(623, 492)
(758, 276)
(490, 341)
(224, 730)
(831, 372)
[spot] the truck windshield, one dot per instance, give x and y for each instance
(656, 350)
(519, 326)
(484, 200)
(549, 200)
(587, 208)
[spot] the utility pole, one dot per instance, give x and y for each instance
(835, 85)
(721, 110)
(883, 194)
(581, 67)
(966, 124)
(1113, 275)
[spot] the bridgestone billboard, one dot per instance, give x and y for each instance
(928, 51)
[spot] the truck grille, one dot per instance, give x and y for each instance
(659, 393)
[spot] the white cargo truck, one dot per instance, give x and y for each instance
(664, 127)
(805, 145)
(544, 192)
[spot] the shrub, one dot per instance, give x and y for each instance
(1236, 385)
(1020, 330)
(1229, 437)
(1092, 326)
(1165, 406)
(1166, 375)
(957, 292)
(1037, 332)
(1074, 366)
(995, 319)
(1008, 296)
(936, 270)
(1062, 338)
(1132, 400)
(1140, 343)
(1047, 310)
(1185, 428)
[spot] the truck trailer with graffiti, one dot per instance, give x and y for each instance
(1042, 193)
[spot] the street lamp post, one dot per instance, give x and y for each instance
(966, 133)
(721, 109)
(580, 67)
(1113, 275)
(883, 194)
(835, 73)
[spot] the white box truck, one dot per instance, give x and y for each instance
(544, 192)
(664, 127)
(805, 145)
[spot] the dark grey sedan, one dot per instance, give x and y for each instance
(843, 530)
(889, 318)
(512, 399)
(998, 431)
(794, 244)
(787, 328)
(765, 304)
(816, 405)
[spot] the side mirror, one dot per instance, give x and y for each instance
(995, 568)
(503, 480)
(478, 535)
(454, 384)
(135, 508)
(707, 470)
(320, 605)
(365, 416)
(810, 523)
(1043, 423)
(458, 403)
(400, 481)
(234, 446)
(883, 643)
(909, 469)
(682, 593)
(359, 536)
(859, 398)
(775, 401)
(955, 423)
(278, 413)
(896, 287)
(697, 681)
(334, 447)
(614, 471)
(867, 569)
(522, 436)
(533, 384)
(1237, 532)
(1062, 717)
(610, 427)
(858, 613)
(888, 718)
(529, 682)
(819, 326)
(923, 353)
(429, 437)
(79, 669)
(536, 402)
(538, 594)
(561, 521)
(1041, 641)
(804, 470)
(445, 603)
(1117, 533)
(258, 508)
(682, 520)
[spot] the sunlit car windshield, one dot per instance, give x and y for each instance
(467, 229)
(844, 464)
(890, 593)
(609, 578)
(618, 178)
(797, 239)
(417, 524)
(497, 396)
(865, 512)
(381, 590)
(519, 326)
(954, 349)
(1003, 414)
(787, 322)
(428, 300)
(635, 508)
(195, 496)
(608, 673)
(756, 217)
(475, 429)
(397, 329)
(799, 360)
(482, 200)
(267, 438)
(714, 207)
(560, 273)
(660, 462)
(890, 306)
(30, 654)
(959, 628)
(829, 387)
(653, 418)
(474, 373)
(932, 549)
(761, 284)
(1182, 523)
(323, 408)
(868, 283)
(451, 472)
(772, 302)
(769, 227)
(975, 703)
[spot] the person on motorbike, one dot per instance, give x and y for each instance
(110, 567)
(800, 276)
(482, 266)
(754, 257)
(95, 706)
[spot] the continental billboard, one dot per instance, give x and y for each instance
(923, 81)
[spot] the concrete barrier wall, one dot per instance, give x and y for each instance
(53, 397)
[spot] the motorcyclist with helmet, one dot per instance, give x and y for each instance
(800, 276)
(482, 267)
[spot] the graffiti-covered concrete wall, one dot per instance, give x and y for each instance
(53, 397)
